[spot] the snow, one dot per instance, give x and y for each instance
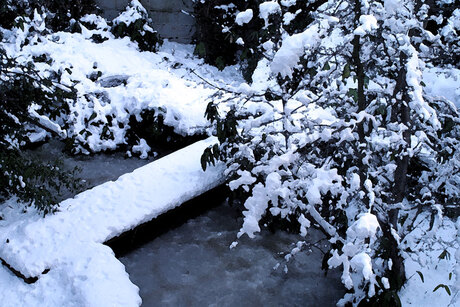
(288, 17)
(444, 83)
(245, 178)
(391, 6)
(130, 82)
(288, 3)
(362, 262)
(429, 245)
(85, 272)
(367, 24)
(142, 148)
(268, 8)
(69, 243)
(292, 49)
(244, 17)
(413, 78)
(134, 11)
(366, 226)
(256, 205)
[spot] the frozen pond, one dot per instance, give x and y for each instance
(192, 265)
(94, 169)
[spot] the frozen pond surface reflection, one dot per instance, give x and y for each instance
(192, 265)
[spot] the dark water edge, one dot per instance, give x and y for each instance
(143, 234)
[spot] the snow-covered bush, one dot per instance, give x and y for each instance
(240, 31)
(441, 19)
(30, 107)
(337, 132)
(60, 15)
(135, 23)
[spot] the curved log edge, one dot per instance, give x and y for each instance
(27, 280)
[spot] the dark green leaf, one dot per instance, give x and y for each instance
(442, 286)
(421, 276)
(346, 71)
(444, 255)
(93, 116)
(203, 162)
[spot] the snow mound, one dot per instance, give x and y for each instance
(116, 83)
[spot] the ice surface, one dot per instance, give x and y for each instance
(94, 169)
(193, 266)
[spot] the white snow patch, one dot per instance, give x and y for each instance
(268, 8)
(292, 49)
(367, 24)
(244, 17)
(142, 148)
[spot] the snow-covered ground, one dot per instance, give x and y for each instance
(85, 272)
(443, 83)
(69, 243)
(114, 80)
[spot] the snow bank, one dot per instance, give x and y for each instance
(116, 82)
(69, 243)
(443, 83)
(434, 259)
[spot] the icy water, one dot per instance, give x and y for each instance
(192, 265)
(94, 169)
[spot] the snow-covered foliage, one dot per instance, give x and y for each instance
(117, 87)
(32, 106)
(237, 31)
(342, 136)
(135, 23)
(92, 90)
(61, 15)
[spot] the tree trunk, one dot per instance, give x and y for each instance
(362, 104)
(400, 114)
